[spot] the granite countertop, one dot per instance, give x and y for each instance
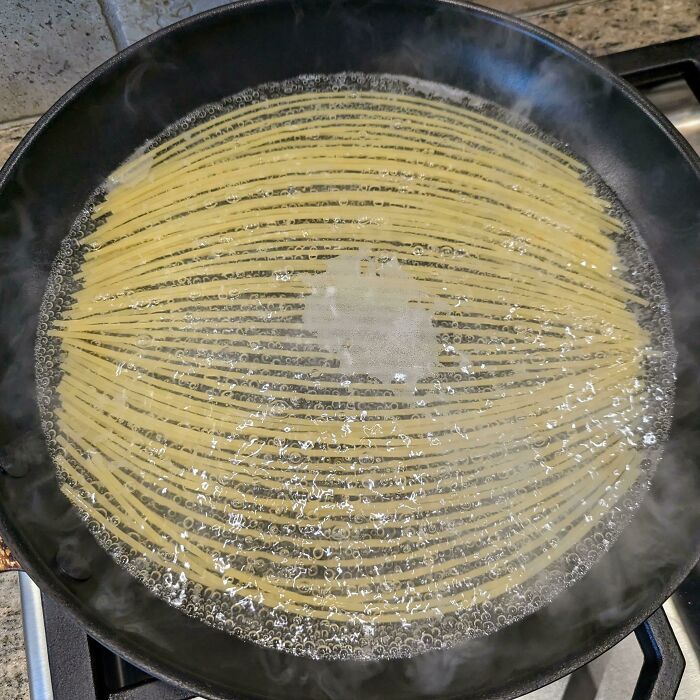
(617, 25)
(50, 44)
(13, 666)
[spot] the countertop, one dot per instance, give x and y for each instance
(70, 37)
(617, 25)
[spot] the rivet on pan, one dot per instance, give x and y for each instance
(16, 457)
(72, 563)
(13, 469)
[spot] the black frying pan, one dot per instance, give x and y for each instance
(130, 99)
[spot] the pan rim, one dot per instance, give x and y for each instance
(155, 665)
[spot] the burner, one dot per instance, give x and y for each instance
(65, 663)
(669, 76)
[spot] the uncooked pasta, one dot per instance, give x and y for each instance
(354, 366)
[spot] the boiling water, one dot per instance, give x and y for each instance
(354, 366)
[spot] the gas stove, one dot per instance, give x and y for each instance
(659, 661)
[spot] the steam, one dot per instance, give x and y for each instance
(362, 317)
(627, 579)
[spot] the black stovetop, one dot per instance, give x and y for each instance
(83, 669)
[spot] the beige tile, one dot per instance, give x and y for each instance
(131, 20)
(46, 46)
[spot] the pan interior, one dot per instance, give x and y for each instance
(355, 366)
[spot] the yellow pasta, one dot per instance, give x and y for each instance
(351, 372)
